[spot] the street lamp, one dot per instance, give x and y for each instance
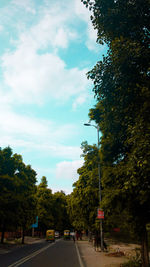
(99, 175)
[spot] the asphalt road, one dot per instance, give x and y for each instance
(44, 254)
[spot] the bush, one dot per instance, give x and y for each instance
(135, 261)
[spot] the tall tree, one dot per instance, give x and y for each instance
(121, 84)
(61, 219)
(45, 206)
(17, 186)
(83, 202)
(8, 189)
(26, 197)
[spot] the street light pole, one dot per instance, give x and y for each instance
(99, 175)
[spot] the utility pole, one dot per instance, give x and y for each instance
(99, 176)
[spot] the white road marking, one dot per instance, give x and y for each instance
(79, 257)
(19, 262)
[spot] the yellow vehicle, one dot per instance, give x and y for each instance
(50, 235)
(66, 234)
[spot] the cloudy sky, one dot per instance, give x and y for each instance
(46, 49)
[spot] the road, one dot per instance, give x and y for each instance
(44, 254)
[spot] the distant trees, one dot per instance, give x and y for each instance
(84, 200)
(21, 200)
(51, 208)
(61, 218)
(45, 206)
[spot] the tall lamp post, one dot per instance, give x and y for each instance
(99, 175)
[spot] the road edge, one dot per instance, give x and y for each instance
(79, 256)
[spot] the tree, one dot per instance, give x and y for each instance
(121, 85)
(8, 203)
(83, 202)
(61, 219)
(26, 197)
(8, 188)
(45, 206)
(17, 185)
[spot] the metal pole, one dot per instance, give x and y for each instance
(100, 197)
(99, 175)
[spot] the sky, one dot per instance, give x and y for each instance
(46, 49)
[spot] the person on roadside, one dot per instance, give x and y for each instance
(77, 235)
(73, 236)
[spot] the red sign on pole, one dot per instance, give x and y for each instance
(100, 214)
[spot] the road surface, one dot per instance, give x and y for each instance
(61, 253)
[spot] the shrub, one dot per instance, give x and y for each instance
(135, 261)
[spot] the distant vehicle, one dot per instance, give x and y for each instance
(66, 234)
(57, 235)
(50, 235)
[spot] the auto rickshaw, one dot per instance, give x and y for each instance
(50, 235)
(66, 234)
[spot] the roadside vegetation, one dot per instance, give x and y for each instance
(121, 87)
(21, 200)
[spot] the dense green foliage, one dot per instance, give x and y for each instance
(21, 200)
(44, 206)
(51, 208)
(17, 186)
(83, 202)
(121, 86)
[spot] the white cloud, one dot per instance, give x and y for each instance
(14, 123)
(79, 101)
(57, 24)
(82, 11)
(31, 73)
(39, 135)
(84, 14)
(45, 148)
(91, 41)
(68, 170)
(26, 5)
(53, 28)
(33, 77)
(66, 189)
(1, 28)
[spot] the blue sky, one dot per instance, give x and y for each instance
(46, 49)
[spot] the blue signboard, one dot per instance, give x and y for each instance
(35, 225)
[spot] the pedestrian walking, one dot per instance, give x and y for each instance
(73, 236)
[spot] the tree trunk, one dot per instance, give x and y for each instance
(3, 233)
(23, 232)
(144, 248)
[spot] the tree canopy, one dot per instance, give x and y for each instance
(121, 86)
(18, 187)
(21, 200)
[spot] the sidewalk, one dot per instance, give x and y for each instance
(91, 258)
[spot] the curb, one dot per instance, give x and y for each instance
(79, 256)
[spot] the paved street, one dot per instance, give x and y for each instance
(43, 254)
